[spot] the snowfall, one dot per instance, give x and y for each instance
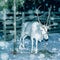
(49, 52)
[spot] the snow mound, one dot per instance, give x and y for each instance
(4, 44)
(54, 49)
(41, 56)
(4, 56)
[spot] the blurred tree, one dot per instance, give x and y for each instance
(3, 4)
(9, 4)
(20, 4)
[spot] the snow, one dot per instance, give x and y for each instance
(10, 59)
(59, 54)
(32, 57)
(54, 49)
(4, 44)
(41, 55)
(51, 46)
(59, 39)
(4, 56)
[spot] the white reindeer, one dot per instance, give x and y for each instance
(35, 31)
(38, 33)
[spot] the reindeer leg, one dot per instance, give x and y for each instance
(36, 46)
(24, 39)
(32, 45)
(23, 42)
(20, 43)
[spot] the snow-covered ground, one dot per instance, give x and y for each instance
(49, 52)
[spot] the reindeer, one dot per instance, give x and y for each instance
(37, 32)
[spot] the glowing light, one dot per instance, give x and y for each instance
(5, 0)
(55, 23)
(58, 39)
(58, 54)
(54, 6)
(59, 9)
(37, 11)
(30, 11)
(14, 23)
(52, 18)
(43, 0)
(12, 32)
(46, 4)
(31, 17)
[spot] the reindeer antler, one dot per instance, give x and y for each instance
(38, 16)
(48, 15)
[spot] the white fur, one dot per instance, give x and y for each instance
(35, 31)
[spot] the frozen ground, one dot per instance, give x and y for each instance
(50, 52)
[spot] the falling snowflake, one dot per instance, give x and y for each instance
(4, 56)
